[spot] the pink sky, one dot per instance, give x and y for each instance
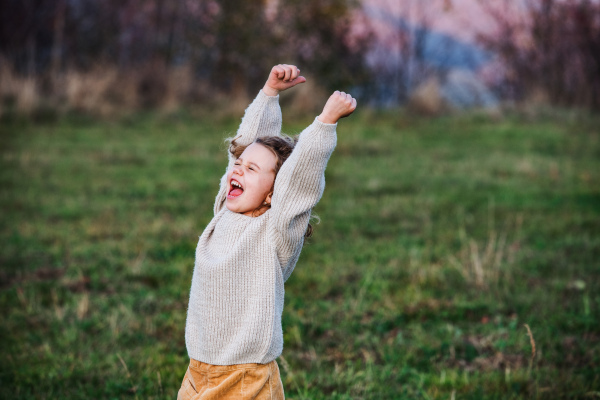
(463, 19)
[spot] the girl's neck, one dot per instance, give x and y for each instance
(257, 212)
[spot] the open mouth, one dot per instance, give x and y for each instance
(236, 189)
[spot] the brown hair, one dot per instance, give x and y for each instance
(281, 146)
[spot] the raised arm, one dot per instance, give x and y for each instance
(262, 117)
(301, 180)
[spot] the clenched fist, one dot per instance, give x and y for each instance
(339, 105)
(282, 77)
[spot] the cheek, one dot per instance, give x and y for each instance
(267, 184)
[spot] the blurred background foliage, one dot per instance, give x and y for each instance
(107, 57)
(103, 55)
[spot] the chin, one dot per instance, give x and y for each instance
(233, 208)
(230, 207)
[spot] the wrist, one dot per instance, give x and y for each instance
(326, 119)
(269, 91)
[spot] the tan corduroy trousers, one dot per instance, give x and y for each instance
(242, 381)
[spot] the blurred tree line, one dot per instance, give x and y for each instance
(553, 49)
(103, 56)
(183, 50)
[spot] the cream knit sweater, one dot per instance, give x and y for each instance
(236, 298)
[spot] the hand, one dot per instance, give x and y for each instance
(339, 105)
(282, 77)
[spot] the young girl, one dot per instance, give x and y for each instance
(233, 331)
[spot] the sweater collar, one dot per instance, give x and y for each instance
(237, 217)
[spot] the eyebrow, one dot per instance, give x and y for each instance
(251, 163)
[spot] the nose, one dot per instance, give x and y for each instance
(237, 169)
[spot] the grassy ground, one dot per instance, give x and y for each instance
(441, 241)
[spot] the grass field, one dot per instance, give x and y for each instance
(441, 242)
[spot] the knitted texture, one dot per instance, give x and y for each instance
(242, 262)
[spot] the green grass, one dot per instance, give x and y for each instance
(439, 240)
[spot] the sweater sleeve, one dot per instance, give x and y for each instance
(261, 118)
(298, 188)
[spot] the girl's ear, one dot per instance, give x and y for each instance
(268, 198)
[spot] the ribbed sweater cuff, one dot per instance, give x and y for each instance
(323, 123)
(322, 134)
(262, 95)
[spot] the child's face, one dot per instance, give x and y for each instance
(250, 181)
